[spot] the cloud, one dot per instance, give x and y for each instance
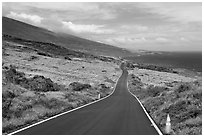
(137, 27)
(131, 24)
(162, 39)
(66, 10)
(184, 39)
(179, 12)
(79, 28)
(22, 16)
(124, 40)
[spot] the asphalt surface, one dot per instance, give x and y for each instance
(119, 114)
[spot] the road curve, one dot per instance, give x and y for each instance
(119, 114)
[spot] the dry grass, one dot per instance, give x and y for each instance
(60, 70)
(181, 98)
(150, 77)
(24, 105)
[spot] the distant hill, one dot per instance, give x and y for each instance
(26, 31)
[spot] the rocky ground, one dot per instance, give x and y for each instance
(38, 84)
(164, 93)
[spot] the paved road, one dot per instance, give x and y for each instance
(119, 114)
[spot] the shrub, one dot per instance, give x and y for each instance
(32, 58)
(154, 91)
(104, 71)
(52, 103)
(197, 95)
(152, 104)
(184, 105)
(7, 98)
(68, 58)
(40, 83)
(102, 86)
(109, 80)
(37, 83)
(189, 131)
(13, 76)
(44, 54)
(176, 108)
(136, 81)
(77, 86)
(183, 87)
(194, 122)
(130, 65)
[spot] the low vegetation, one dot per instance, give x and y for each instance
(36, 83)
(28, 100)
(53, 50)
(40, 80)
(77, 86)
(183, 102)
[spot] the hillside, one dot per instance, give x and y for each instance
(40, 80)
(164, 93)
(26, 31)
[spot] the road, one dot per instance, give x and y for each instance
(119, 114)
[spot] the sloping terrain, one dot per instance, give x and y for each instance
(25, 31)
(164, 93)
(40, 80)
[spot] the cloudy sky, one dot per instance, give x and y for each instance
(149, 26)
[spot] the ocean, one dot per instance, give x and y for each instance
(187, 60)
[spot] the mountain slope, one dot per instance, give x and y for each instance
(26, 31)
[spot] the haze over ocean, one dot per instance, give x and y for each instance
(186, 60)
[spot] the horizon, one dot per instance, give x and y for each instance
(172, 27)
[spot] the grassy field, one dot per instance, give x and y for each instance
(164, 93)
(37, 86)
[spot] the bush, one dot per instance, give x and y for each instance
(32, 58)
(103, 90)
(191, 131)
(183, 87)
(37, 83)
(188, 114)
(68, 58)
(109, 80)
(178, 107)
(102, 86)
(13, 76)
(184, 105)
(197, 95)
(130, 65)
(40, 83)
(136, 81)
(104, 71)
(54, 103)
(7, 98)
(77, 86)
(44, 54)
(152, 104)
(154, 91)
(51, 103)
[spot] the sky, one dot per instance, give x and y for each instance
(136, 26)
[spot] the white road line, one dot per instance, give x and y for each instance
(152, 121)
(64, 112)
